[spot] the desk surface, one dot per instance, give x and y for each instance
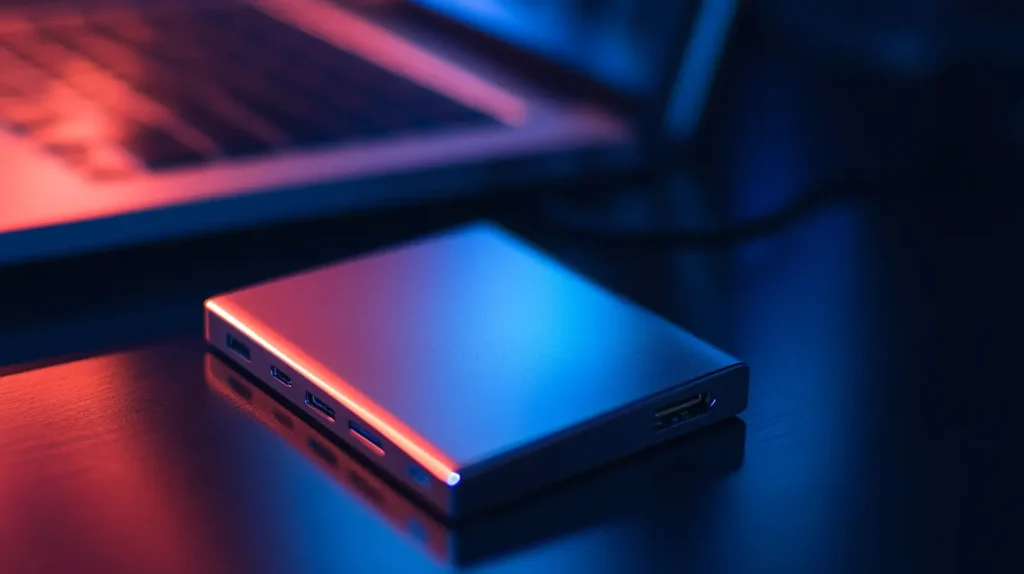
(880, 436)
(879, 410)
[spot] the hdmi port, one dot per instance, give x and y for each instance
(366, 438)
(319, 406)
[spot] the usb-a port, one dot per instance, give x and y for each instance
(319, 406)
(280, 376)
(682, 411)
(240, 348)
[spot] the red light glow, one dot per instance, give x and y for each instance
(418, 448)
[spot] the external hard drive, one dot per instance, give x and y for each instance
(472, 368)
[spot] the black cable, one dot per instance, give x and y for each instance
(803, 205)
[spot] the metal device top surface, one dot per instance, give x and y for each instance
(474, 339)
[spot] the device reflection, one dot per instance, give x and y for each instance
(610, 492)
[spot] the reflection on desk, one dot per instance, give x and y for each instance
(686, 464)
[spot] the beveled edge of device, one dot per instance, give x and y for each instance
(402, 513)
(391, 445)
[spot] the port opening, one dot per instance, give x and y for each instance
(682, 411)
(419, 475)
(239, 348)
(280, 376)
(319, 406)
(372, 443)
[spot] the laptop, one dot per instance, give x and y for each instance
(133, 121)
(472, 368)
(686, 466)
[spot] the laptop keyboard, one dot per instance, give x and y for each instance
(115, 92)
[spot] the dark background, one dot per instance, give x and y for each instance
(880, 319)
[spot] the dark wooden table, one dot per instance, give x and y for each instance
(884, 336)
(880, 433)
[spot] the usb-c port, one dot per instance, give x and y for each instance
(280, 376)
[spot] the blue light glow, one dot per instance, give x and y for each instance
(620, 42)
(697, 71)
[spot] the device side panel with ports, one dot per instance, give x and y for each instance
(254, 352)
(678, 411)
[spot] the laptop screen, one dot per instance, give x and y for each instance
(626, 44)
